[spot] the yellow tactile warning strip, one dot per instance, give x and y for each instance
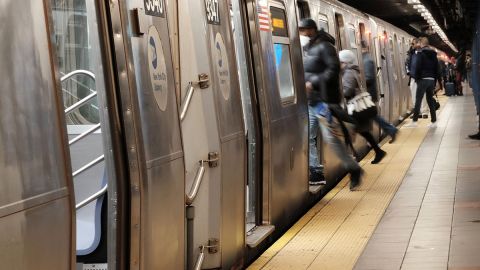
(334, 232)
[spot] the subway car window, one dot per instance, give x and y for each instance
(401, 45)
(352, 37)
(323, 22)
(392, 53)
(323, 25)
(77, 44)
(340, 32)
(383, 45)
(281, 45)
(303, 9)
(365, 36)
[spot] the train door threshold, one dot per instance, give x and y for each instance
(96, 266)
(315, 189)
(259, 233)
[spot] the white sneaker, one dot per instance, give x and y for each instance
(412, 124)
(432, 125)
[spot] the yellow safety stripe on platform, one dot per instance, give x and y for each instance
(282, 241)
(334, 232)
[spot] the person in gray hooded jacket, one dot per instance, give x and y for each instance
(351, 88)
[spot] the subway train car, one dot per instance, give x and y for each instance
(387, 44)
(166, 134)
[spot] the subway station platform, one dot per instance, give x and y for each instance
(418, 209)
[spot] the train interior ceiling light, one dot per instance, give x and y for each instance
(425, 13)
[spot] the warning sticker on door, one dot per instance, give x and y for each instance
(222, 66)
(157, 68)
(263, 15)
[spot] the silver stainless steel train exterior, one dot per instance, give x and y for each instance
(165, 134)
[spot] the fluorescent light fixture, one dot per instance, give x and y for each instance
(425, 13)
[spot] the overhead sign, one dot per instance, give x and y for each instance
(212, 11)
(154, 8)
(157, 68)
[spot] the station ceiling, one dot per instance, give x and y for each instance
(455, 17)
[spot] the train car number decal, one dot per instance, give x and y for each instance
(157, 68)
(154, 8)
(212, 11)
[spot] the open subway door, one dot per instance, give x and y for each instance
(36, 192)
(279, 84)
(150, 114)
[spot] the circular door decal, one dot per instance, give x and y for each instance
(222, 66)
(157, 68)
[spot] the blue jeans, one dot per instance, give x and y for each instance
(313, 127)
(385, 126)
(328, 129)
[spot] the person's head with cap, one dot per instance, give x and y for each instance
(308, 27)
(347, 57)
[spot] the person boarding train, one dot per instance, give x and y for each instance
(322, 70)
(352, 88)
(371, 81)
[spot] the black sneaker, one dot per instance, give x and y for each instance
(425, 116)
(393, 136)
(316, 178)
(475, 136)
(379, 156)
(355, 179)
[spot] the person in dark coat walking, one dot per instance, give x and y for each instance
(322, 71)
(411, 66)
(460, 73)
(351, 88)
(371, 80)
(426, 78)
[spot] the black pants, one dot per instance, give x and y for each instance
(425, 87)
(369, 137)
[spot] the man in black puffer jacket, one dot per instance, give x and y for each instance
(322, 67)
(322, 79)
(426, 76)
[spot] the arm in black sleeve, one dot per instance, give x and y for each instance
(407, 62)
(439, 73)
(370, 73)
(332, 65)
(418, 65)
(437, 70)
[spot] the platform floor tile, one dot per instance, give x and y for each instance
(445, 232)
